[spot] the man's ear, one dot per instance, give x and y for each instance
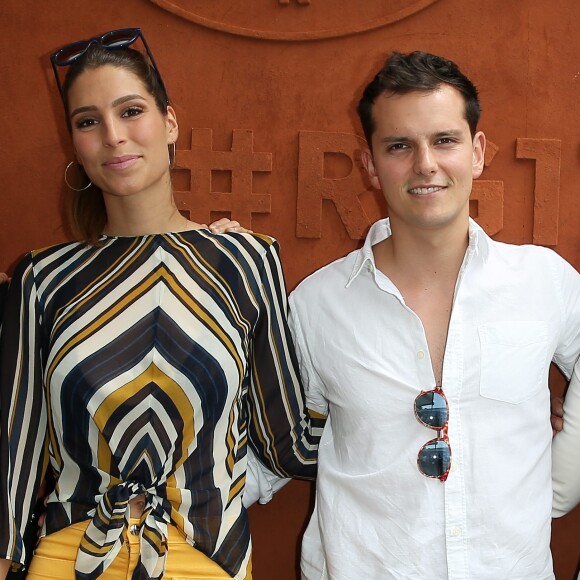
(368, 163)
(478, 154)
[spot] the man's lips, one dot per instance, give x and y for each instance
(426, 190)
(121, 162)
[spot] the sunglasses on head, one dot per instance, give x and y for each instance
(113, 40)
(432, 411)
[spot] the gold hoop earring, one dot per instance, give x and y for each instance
(66, 178)
(172, 154)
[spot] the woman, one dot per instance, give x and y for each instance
(146, 355)
(3, 287)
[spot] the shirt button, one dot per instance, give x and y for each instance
(456, 532)
(134, 529)
(420, 355)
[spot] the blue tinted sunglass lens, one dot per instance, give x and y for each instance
(71, 52)
(434, 458)
(431, 409)
(119, 38)
(114, 39)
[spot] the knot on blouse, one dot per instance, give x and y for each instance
(103, 537)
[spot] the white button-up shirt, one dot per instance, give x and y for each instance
(566, 453)
(364, 358)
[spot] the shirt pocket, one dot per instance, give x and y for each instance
(513, 360)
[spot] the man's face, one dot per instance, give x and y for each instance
(423, 158)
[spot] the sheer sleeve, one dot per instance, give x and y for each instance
(281, 430)
(23, 454)
(3, 291)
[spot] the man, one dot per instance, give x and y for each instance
(566, 460)
(432, 324)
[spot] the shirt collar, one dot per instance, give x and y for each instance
(381, 230)
(478, 241)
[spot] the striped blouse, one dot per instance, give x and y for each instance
(144, 366)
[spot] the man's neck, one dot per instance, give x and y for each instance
(424, 265)
(422, 256)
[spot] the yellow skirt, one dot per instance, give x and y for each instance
(56, 554)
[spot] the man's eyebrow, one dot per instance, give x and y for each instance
(395, 139)
(449, 133)
(405, 138)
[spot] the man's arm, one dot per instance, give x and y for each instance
(557, 414)
(225, 225)
(566, 459)
(261, 483)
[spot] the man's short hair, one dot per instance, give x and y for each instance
(417, 71)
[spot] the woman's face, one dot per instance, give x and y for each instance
(120, 136)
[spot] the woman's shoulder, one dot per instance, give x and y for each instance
(42, 252)
(57, 253)
(251, 237)
(48, 258)
(247, 243)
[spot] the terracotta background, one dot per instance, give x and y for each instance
(265, 92)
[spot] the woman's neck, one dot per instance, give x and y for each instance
(131, 216)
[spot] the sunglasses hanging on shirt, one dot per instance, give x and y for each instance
(432, 411)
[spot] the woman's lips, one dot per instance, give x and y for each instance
(118, 163)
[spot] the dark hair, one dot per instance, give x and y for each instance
(417, 71)
(88, 215)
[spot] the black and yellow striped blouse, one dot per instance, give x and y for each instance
(145, 366)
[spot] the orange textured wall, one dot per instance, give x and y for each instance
(265, 92)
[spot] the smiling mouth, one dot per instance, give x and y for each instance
(426, 190)
(122, 162)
